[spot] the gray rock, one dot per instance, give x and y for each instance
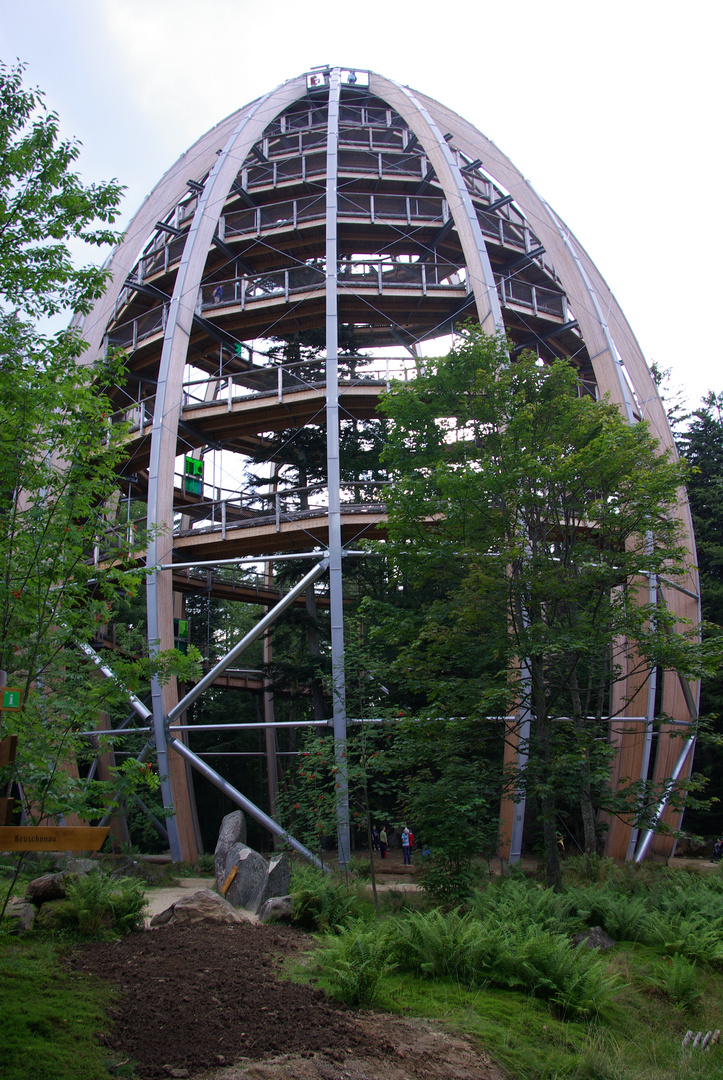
(202, 906)
(48, 887)
(278, 909)
(595, 938)
(246, 887)
(278, 877)
(50, 915)
(20, 915)
(232, 831)
(79, 866)
(126, 866)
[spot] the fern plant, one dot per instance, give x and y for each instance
(322, 903)
(678, 980)
(354, 963)
(100, 906)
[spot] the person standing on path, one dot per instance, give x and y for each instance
(375, 838)
(406, 847)
(383, 843)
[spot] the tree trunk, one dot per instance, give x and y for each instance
(588, 821)
(312, 638)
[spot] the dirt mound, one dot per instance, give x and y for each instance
(206, 999)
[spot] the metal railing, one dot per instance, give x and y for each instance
(284, 504)
(276, 379)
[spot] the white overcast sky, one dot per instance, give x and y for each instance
(611, 110)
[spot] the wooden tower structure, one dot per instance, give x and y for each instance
(340, 203)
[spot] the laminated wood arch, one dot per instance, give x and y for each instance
(345, 206)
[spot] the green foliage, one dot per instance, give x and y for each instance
(517, 901)
(679, 914)
(323, 902)
(359, 867)
(544, 504)
(354, 963)
(701, 444)
(481, 953)
(450, 796)
(449, 878)
(679, 980)
(68, 564)
(44, 204)
(314, 789)
(98, 906)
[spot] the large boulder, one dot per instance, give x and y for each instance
(202, 906)
(251, 869)
(20, 915)
(278, 909)
(48, 887)
(232, 831)
(278, 877)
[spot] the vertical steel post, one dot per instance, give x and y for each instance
(649, 711)
(269, 712)
(338, 679)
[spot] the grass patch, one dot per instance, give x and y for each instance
(49, 1017)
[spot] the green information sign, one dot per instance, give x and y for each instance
(193, 476)
(12, 699)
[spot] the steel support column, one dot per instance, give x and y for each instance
(338, 677)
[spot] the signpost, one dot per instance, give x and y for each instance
(52, 838)
(44, 837)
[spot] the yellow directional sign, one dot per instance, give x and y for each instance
(52, 838)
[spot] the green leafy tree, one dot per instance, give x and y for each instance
(542, 511)
(449, 794)
(68, 565)
(701, 444)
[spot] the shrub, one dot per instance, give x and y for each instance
(360, 868)
(500, 953)
(354, 963)
(99, 906)
(322, 902)
(520, 902)
(678, 980)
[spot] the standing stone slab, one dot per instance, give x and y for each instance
(278, 876)
(232, 831)
(246, 887)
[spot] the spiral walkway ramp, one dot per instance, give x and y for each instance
(344, 209)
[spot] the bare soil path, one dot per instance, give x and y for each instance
(207, 1003)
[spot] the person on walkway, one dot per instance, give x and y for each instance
(383, 843)
(411, 845)
(406, 856)
(375, 838)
